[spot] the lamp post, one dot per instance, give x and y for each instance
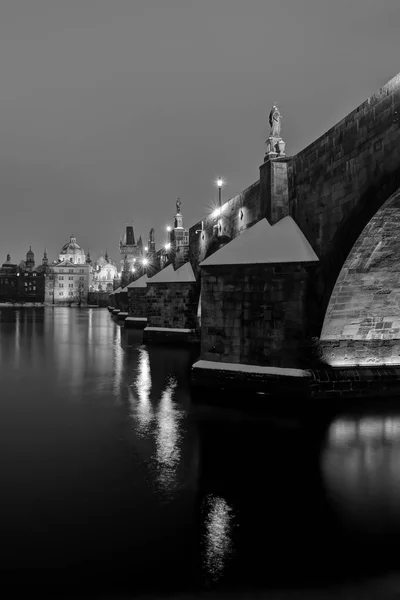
(220, 183)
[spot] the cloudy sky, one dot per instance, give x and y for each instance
(111, 109)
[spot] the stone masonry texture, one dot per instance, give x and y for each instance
(255, 314)
(172, 305)
(137, 302)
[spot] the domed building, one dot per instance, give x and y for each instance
(71, 275)
(105, 271)
(72, 252)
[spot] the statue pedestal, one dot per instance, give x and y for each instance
(275, 148)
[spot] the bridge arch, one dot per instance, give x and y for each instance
(361, 324)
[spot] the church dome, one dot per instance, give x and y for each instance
(72, 247)
(72, 252)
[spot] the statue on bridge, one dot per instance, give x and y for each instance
(275, 119)
(275, 144)
(178, 206)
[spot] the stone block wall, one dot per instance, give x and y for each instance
(339, 182)
(255, 314)
(331, 176)
(137, 302)
(172, 305)
(123, 301)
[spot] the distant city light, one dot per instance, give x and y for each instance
(145, 262)
(134, 260)
(133, 269)
(146, 249)
(168, 246)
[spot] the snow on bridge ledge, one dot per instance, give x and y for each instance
(274, 371)
(168, 329)
(182, 275)
(263, 243)
(138, 283)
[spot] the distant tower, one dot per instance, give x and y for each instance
(106, 257)
(129, 253)
(88, 259)
(179, 239)
(45, 260)
(151, 244)
(30, 260)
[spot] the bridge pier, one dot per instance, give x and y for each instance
(172, 302)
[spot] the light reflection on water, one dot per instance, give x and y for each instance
(218, 544)
(142, 408)
(118, 457)
(168, 439)
(118, 363)
(361, 467)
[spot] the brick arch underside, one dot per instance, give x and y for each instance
(362, 321)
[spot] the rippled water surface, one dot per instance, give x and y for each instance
(109, 472)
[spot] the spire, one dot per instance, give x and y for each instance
(8, 258)
(106, 255)
(45, 261)
(88, 259)
(30, 258)
(151, 243)
(140, 243)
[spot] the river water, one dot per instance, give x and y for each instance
(111, 477)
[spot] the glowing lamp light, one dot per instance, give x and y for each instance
(145, 262)
(168, 246)
(216, 213)
(133, 269)
(169, 228)
(220, 182)
(146, 249)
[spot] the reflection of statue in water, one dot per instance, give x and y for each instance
(275, 118)
(178, 206)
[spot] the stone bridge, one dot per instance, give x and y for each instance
(343, 192)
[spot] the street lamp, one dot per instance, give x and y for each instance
(145, 262)
(220, 183)
(146, 249)
(168, 246)
(169, 228)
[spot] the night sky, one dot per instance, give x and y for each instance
(111, 109)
